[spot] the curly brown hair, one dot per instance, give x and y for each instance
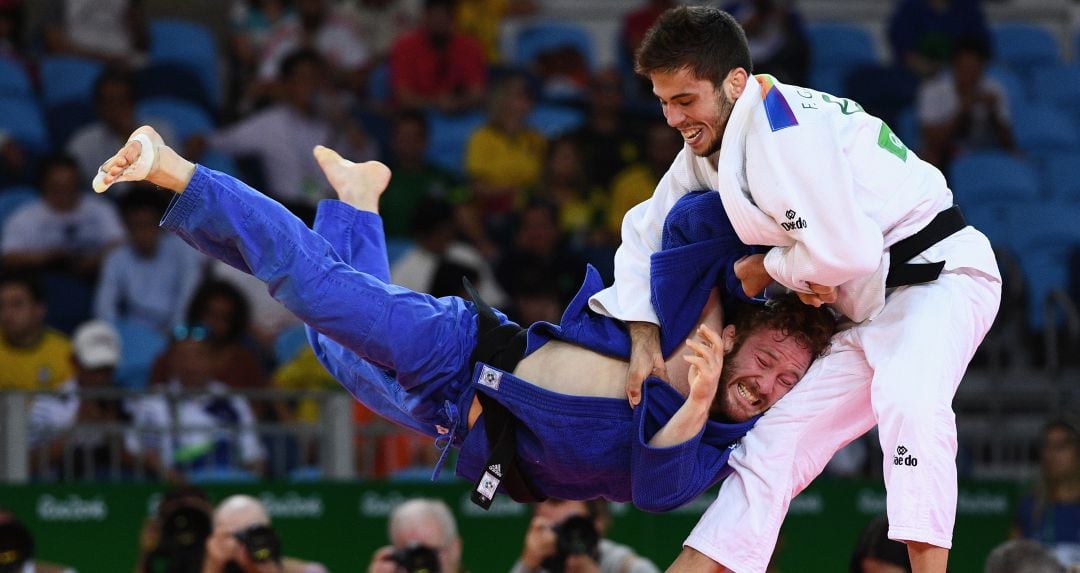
(812, 328)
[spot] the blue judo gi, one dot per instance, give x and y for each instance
(406, 355)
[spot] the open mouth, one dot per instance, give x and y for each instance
(693, 136)
(747, 396)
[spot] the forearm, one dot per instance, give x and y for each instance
(171, 171)
(684, 425)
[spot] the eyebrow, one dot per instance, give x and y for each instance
(676, 96)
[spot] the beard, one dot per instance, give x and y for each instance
(721, 407)
(724, 106)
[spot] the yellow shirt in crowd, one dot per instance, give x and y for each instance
(504, 160)
(43, 366)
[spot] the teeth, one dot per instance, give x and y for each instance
(688, 135)
(744, 393)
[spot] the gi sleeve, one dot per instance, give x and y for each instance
(642, 230)
(800, 177)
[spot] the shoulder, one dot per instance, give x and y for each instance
(56, 341)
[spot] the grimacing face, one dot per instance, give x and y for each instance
(756, 374)
(696, 107)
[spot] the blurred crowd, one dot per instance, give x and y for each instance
(513, 163)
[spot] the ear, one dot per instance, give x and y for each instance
(729, 337)
(735, 83)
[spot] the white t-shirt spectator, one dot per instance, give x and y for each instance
(93, 225)
(338, 40)
(938, 103)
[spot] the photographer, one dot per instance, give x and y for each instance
(568, 536)
(425, 539)
(171, 541)
(243, 541)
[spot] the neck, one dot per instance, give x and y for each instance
(26, 340)
(1065, 490)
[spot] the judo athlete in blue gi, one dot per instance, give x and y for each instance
(536, 412)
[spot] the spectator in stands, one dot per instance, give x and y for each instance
(567, 185)
(963, 108)
(194, 423)
(17, 547)
(224, 317)
(504, 157)
(876, 553)
(1021, 556)
(283, 135)
(68, 230)
(151, 279)
(113, 31)
(637, 182)
(481, 19)
(436, 67)
(415, 178)
(1051, 513)
(269, 318)
(54, 418)
(302, 372)
(384, 21)
(114, 103)
(12, 40)
(420, 527)
(332, 33)
(540, 270)
(922, 33)
(34, 356)
(435, 232)
(228, 549)
(777, 37)
(637, 22)
(610, 138)
(14, 161)
(588, 520)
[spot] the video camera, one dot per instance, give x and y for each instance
(417, 558)
(576, 535)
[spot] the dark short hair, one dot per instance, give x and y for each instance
(412, 115)
(113, 75)
(874, 542)
(26, 279)
(212, 289)
(811, 327)
(972, 44)
(297, 57)
(707, 41)
(143, 197)
(56, 161)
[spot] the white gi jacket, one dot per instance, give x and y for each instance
(829, 186)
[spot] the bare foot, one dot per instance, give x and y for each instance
(357, 184)
(168, 170)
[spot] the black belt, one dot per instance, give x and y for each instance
(901, 272)
(501, 346)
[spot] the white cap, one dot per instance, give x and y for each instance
(96, 344)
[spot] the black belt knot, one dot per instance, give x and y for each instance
(902, 272)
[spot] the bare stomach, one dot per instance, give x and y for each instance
(570, 369)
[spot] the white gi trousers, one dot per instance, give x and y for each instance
(899, 371)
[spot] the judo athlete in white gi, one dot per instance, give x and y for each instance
(838, 196)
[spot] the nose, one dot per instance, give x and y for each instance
(673, 116)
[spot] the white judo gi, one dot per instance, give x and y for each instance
(831, 188)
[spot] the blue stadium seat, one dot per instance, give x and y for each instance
(223, 162)
(140, 345)
(65, 118)
(1014, 87)
(882, 91)
(1042, 128)
(12, 198)
(907, 128)
(289, 342)
(990, 177)
(1045, 239)
(66, 78)
(13, 79)
(840, 47)
(379, 88)
(185, 118)
(535, 39)
(1024, 46)
(449, 136)
(993, 221)
(22, 119)
(396, 248)
(555, 120)
(1061, 176)
(172, 80)
(190, 44)
(1057, 85)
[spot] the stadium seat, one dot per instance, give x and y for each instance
(449, 136)
(907, 128)
(185, 118)
(1024, 46)
(22, 119)
(187, 43)
(836, 49)
(67, 78)
(396, 248)
(13, 79)
(991, 177)
(65, 118)
(1042, 128)
(555, 120)
(379, 89)
(223, 162)
(1061, 176)
(993, 221)
(1014, 87)
(1058, 85)
(140, 345)
(1045, 237)
(535, 39)
(12, 198)
(171, 80)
